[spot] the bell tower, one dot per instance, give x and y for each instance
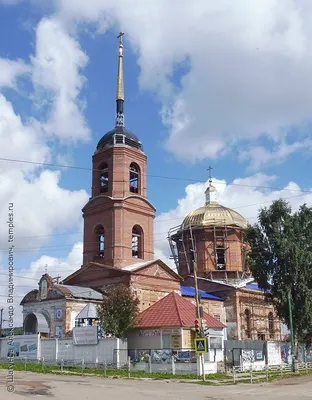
(118, 219)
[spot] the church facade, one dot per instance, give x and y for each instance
(118, 247)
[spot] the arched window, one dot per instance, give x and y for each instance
(100, 240)
(271, 324)
(247, 323)
(137, 242)
(104, 178)
(134, 178)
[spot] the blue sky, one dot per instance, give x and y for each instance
(195, 94)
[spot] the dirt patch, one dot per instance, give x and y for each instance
(32, 388)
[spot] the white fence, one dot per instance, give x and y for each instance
(33, 348)
(254, 373)
(179, 368)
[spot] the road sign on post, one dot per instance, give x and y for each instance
(200, 345)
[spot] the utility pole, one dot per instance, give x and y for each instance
(292, 339)
(197, 300)
(1, 321)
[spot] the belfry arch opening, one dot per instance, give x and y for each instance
(137, 242)
(104, 178)
(134, 178)
(100, 240)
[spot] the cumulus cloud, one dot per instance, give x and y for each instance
(10, 71)
(244, 195)
(27, 279)
(56, 75)
(259, 156)
(246, 67)
(40, 207)
(20, 141)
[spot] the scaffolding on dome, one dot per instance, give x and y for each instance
(181, 238)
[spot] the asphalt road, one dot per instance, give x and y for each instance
(30, 385)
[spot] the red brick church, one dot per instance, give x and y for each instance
(119, 239)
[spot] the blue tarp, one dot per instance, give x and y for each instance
(253, 286)
(190, 291)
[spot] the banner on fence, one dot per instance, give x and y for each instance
(22, 346)
(85, 335)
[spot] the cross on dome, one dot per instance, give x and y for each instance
(211, 192)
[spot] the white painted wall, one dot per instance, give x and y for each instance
(108, 350)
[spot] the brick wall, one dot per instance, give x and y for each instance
(118, 210)
(205, 246)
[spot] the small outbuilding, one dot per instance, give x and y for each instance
(169, 324)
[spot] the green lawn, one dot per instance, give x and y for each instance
(211, 379)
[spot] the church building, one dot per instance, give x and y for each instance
(209, 247)
(118, 247)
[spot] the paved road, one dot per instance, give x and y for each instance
(29, 385)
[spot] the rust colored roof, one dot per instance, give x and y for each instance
(173, 311)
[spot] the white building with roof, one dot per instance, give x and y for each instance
(52, 309)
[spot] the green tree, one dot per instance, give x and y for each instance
(280, 260)
(118, 310)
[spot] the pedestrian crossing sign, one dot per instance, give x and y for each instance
(201, 345)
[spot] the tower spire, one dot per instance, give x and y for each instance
(120, 97)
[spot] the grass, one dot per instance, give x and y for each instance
(211, 379)
(118, 373)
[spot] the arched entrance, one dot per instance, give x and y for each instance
(35, 323)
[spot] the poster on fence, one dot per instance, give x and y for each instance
(274, 353)
(85, 335)
(23, 346)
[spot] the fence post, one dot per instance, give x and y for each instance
(82, 366)
(234, 374)
(56, 349)
(129, 366)
(202, 357)
(42, 363)
(25, 362)
(62, 365)
(306, 366)
(149, 363)
(251, 377)
(281, 369)
(267, 372)
(172, 365)
(104, 368)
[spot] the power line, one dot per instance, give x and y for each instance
(152, 176)
(156, 222)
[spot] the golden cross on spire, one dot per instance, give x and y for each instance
(210, 169)
(120, 37)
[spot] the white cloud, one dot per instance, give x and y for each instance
(58, 81)
(27, 279)
(10, 71)
(259, 156)
(20, 141)
(248, 66)
(240, 195)
(40, 207)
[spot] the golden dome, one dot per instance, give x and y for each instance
(213, 214)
